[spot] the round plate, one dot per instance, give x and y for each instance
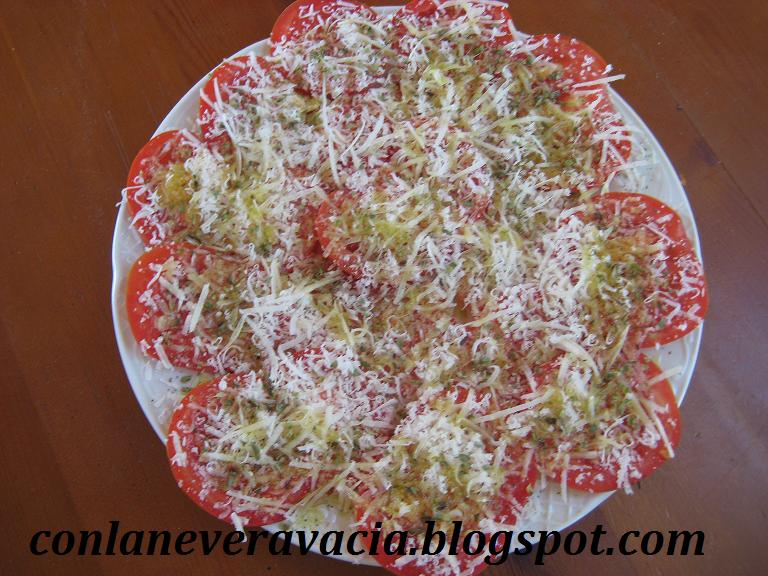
(157, 389)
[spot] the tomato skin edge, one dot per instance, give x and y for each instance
(681, 248)
(596, 479)
(159, 149)
(216, 502)
(138, 277)
(182, 462)
(140, 318)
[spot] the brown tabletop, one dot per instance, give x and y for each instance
(84, 85)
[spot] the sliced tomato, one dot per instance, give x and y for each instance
(505, 508)
(347, 255)
(591, 475)
(146, 298)
(419, 8)
(580, 63)
(243, 72)
(462, 562)
(339, 252)
(685, 301)
(187, 435)
(303, 16)
(153, 223)
(428, 12)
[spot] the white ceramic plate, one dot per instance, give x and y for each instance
(156, 388)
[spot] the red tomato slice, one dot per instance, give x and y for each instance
(152, 222)
(187, 434)
(419, 8)
(512, 497)
(580, 64)
(462, 563)
(686, 284)
(241, 72)
(433, 11)
(517, 489)
(145, 295)
(303, 16)
(593, 476)
(345, 254)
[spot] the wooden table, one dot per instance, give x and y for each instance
(84, 84)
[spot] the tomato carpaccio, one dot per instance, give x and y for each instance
(390, 246)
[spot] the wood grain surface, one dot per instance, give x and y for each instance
(84, 85)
